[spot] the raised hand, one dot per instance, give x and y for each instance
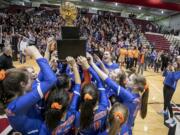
(97, 58)
(90, 58)
(83, 62)
(32, 51)
(71, 61)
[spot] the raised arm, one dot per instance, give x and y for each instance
(23, 103)
(76, 90)
(85, 65)
(120, 91)
(101, 64)
(103, 97)
(87, 78)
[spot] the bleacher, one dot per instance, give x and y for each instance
(158, 40)
(143, 25)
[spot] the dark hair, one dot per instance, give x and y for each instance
(2, 102)
(122, 79)
(52, 115)
(63, 81)
(140, 81)
(1, 109)
(114, 122)
(144, 103)
(87, 106)
(113, 99)
(11, 85)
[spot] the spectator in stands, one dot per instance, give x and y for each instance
(157, 62)
(141, 62)
(135, 56)
(146, 58)
(22, 46)
(6, 61)
(165, 61)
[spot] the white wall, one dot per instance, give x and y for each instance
(173, 22)
(35, 4)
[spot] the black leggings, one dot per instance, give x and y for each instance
(168, 93)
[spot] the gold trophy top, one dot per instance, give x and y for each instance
(69, 13)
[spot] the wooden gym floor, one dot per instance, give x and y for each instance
(153, 123)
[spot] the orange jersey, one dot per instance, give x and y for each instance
(130, 53)
(141, 59)
(135, 53)
(122, 52)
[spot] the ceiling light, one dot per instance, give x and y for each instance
(162, 12)
(140, 8)
(92, 0)
(116, 4)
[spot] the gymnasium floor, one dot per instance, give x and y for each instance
(153, 124)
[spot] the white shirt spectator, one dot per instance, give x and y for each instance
(32, 39)
(23, 45)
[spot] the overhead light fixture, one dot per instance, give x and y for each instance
(92, 0)
(116, 3)
(140, 8)
(162, 12)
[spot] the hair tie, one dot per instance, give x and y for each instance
(56, 105)
(87, 97)
(2, 75)
(120, 116)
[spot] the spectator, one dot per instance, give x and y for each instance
(6, 59)
(23, 45)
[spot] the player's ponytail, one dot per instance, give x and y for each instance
(143, 88)
(57, 103)
(89, 98)
(144, 102)
(117, 117)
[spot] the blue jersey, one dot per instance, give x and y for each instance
(22, 112)
(103, 133)
(133, 108)
(120, 92)
(101, 112)
(72, 117)
(171, 79)
(111, 67)
(130, 100)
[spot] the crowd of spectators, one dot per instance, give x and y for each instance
(106, 32)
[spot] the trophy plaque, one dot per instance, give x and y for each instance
(70, 44)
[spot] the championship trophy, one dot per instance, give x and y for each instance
(70, 44)
(68, 12)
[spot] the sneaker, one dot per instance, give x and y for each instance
(171, 122)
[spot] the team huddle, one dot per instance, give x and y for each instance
(80, 99)
(84, 95)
